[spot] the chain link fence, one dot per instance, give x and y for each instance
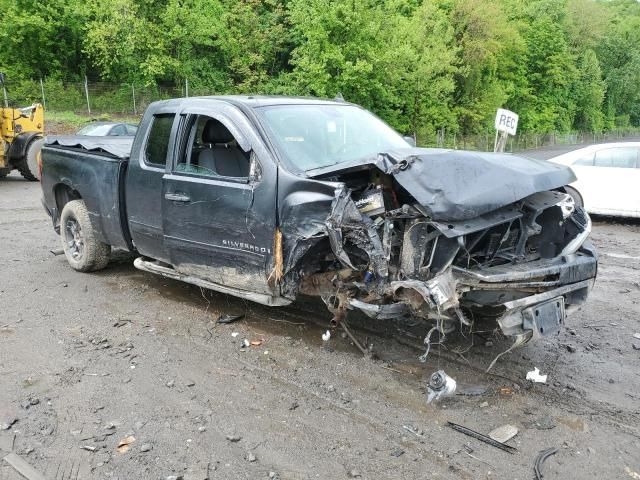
(96, 98)
(104, 98)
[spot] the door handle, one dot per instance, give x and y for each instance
(177, 197)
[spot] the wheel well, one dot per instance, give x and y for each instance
(63, 195)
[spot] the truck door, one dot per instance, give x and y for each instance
(219, 202)
(143, 188)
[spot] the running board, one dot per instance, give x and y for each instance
(149, 266)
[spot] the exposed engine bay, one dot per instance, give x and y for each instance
(522, 265)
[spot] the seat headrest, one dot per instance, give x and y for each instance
(216, 132)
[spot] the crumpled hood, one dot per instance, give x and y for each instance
(455, 185)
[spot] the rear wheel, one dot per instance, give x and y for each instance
(84, 252)
(28, 165)
(577, 198)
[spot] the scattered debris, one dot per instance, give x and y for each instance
(251, 457)
(534, 376)
(414, 430)
(636, 346)
(121, 322)
(57, 251)
(326, 336)
(505, 391)
(484, 404)
(6, 442)
(636, 335)
(354, 473)
(234, 438)
(234, 334)
(256, 343)
(245, 343)
(542, 456)
(170, 383)
(23, 468)
(504, 433)
(125, 444)
(571, 348)
(482, 438)
(6, 421)
(145, 447)
(88, 448)
(440, 385)
(398, 452)
(229, 318)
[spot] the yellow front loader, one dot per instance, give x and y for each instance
(21, 138)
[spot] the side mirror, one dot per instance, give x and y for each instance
(410, 140)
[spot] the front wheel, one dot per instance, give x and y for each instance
(84, 252)
(577, 198)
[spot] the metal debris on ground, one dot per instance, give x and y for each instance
(23, 468)
(440, 385)
(542, 456)
(504, 433)
(534, 376)
(482, 438)
(229, 318)
(57, 251)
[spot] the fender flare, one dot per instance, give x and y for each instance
(18, 148)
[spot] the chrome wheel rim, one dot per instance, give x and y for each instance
(73, 238)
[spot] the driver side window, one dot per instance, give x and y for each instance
(210, 150)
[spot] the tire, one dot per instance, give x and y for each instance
(28, 165)
(577, 198)
(84, 252)
(4, 172)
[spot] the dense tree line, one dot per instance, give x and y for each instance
(420, 64)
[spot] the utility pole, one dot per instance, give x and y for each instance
(133, 95)
(4, 90)
(186, 87)
(86, 92)
(44, 100)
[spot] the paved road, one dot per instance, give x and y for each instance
(87, 360)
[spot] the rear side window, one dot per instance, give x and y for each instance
(155, 152)
(586, 159)
(622, 157)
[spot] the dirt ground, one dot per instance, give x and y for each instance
(88, 360)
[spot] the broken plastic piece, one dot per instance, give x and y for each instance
(504, 433)
(124, 445)
(440, 385)
(534, 376)
(326, 336)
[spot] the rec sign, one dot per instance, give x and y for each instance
(506, 121)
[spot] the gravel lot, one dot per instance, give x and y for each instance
(90, 360)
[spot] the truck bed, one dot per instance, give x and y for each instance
(91, 168)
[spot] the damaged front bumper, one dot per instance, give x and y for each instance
(523, 266)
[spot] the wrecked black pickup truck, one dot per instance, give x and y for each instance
(266, 198)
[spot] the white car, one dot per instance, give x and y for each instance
(608, 178)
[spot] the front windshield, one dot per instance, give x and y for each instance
(316, 136)
(95, 130)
